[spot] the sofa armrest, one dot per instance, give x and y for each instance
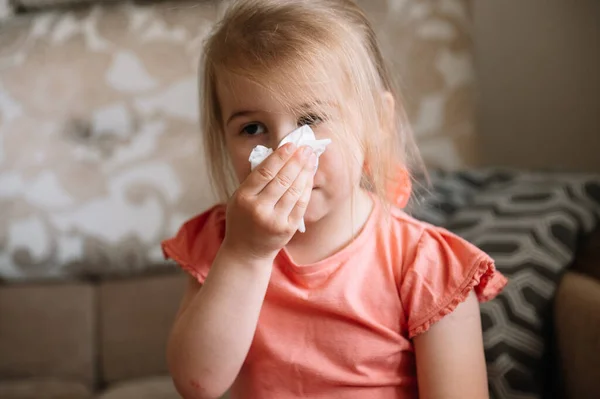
(577, 318)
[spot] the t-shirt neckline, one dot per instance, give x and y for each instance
(340, 256)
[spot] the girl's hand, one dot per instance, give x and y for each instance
(266, 210)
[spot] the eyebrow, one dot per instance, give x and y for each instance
(238, 114)
(306, 106)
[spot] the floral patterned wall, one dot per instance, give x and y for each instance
(100, 153)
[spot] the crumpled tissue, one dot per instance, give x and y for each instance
(303, 136)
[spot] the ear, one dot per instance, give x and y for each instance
(389, 108)
(389, 102)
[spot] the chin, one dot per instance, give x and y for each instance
(313, 217)
(317, 210)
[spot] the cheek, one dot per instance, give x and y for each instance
(239, 160)
(338, 169)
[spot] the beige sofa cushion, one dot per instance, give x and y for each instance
(577, 318)
(135, 319)
(43, 389)
(47, 331)
(147, 388)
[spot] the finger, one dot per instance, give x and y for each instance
(284, 180)
(290, 198)
(264, 173)
(301, 205)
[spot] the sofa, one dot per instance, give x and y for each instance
(86, 339)
(106, 339)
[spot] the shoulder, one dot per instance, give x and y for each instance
(423, 239)
(210, 221)
(195, 245)
(438, 270)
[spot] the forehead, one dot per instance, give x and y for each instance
(275, 92)
(236, 92)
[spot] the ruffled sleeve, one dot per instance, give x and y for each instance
(443, 271)
(196, 244)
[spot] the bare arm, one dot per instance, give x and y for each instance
(216, 323)
(214, 329)
(450, 358)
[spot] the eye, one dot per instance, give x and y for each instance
(253, 129)
(310, 119)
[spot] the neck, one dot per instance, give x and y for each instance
(333, 232)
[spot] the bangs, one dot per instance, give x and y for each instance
(297, 88)
(300, 52)
(298, 74)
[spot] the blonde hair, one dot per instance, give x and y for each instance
(296, 49)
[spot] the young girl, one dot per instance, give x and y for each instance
(368, 302)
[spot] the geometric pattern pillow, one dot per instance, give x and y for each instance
(530, 223)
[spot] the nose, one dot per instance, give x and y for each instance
(279, 131)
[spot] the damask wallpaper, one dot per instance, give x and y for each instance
(100, 152)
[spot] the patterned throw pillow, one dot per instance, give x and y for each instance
(100, 154)
(531, 225)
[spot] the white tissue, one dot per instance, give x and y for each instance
(303, 136)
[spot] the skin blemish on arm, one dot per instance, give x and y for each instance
(195, 384)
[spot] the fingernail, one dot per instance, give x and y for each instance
(312, 160)
(288, 148)
(306, 151)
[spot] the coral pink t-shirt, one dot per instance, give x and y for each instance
(342, 327)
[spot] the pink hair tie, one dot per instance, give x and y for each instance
(400, 188)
